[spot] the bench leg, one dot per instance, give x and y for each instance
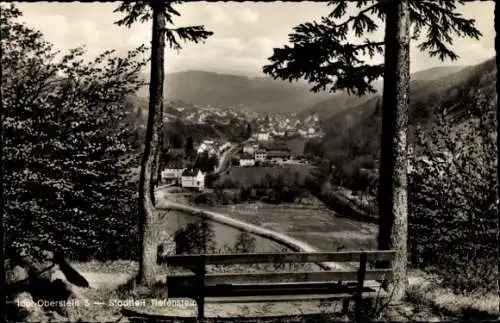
(345, 306)
(200, 302)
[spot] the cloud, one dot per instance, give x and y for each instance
(46, 23)
(219, 16)
(247, 16)
(225, 44)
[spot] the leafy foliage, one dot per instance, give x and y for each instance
(196, 238)
(322, 55)
(454, 201)
(206, 162)
(65, 148)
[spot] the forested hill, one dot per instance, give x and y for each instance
(342, 101)
(353, 136)
(259, 94)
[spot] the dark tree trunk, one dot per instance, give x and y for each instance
(497, 41)
(147, 214)
(392, 191)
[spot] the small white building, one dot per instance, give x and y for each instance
(171, 175)
(193, 178)
(247, 160)
(260, 155)
(263, 136)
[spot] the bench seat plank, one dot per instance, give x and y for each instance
(288, 298)
(278, 277)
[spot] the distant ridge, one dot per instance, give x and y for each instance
(259, 94)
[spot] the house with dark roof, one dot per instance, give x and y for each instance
(172, 172)
(193, 178)
(278, 156)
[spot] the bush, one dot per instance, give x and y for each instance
(453, 204)
(67, 151)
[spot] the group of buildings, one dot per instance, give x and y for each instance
(277, 125)
(192, 178)
(253, 154)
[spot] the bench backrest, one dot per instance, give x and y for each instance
(277, 257)
(199, 262)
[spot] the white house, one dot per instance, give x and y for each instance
(193, 178)
(247, 160)
(171, 175)
(263, 136)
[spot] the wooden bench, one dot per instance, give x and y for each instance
(278, 286)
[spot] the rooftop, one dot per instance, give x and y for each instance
(278, 153)
(246, 156)
(191, 172)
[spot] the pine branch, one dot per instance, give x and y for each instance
(321, 53)
(140, 11)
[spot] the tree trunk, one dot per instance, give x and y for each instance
(497, 40)
(392, 191)
(147, 214)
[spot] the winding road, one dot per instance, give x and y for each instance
(225, 160)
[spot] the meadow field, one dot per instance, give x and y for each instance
(315, 225)
(250, 176)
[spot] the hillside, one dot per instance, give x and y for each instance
(258, 94)
(341, 101)
(353, 135)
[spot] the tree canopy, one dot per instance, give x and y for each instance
(66, 153)
(323, 53)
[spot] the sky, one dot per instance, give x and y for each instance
(244, 32)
